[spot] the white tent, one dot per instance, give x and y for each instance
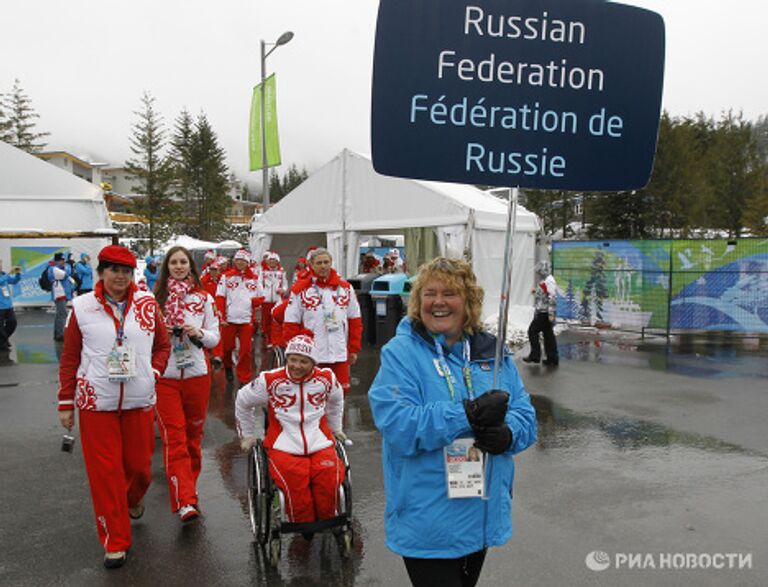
(346, 200)
(38, 199)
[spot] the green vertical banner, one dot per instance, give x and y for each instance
(270, 115)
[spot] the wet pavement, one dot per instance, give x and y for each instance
(644, 448)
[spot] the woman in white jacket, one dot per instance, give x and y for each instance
(114, 348)
(184, 388)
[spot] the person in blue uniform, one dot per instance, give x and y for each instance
(432, 402)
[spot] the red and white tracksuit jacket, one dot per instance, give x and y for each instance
(301, 418)
(274, 285)
(237, 295)
(200, 312)
(329, 312)
(90, 335)
(182, 403)
(116, 419)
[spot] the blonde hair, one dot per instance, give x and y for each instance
(457, 274)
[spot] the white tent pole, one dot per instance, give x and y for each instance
(506, 281)
(343, 264)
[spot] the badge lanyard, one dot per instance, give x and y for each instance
(322, 299)
(466, 371)
(121, 320)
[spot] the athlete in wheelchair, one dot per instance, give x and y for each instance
(298, 476)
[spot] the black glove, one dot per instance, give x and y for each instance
(493, 439)
(487, 410)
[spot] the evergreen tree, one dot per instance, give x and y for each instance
(279, 188)
(596, 288)
(5, 123)
(736, 173)
(679, 195)
(619, 215)
(571, 303)
(183, 170)
(209, 181)
(760, 136)
(585, 308)
(756, 212)
(17, 121)
(151, 168)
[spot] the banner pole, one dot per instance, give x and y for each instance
(506, 281)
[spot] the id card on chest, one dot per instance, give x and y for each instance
(464, 469)
(182, 354)
(121, 363)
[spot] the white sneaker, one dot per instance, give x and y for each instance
(188, 513)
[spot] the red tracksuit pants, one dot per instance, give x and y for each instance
(181, 408)
(310, 483)
(341, 370)
(117, 448)
(266, 322)
(243, 333)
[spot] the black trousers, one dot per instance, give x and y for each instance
(541, 324)
(7, 326)
(445, 572)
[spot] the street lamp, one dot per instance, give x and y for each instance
(282, 40)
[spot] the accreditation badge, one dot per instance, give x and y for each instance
(330, 321)
(464, 469)
(121, 363)
(182, 354)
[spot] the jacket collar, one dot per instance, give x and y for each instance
(333, 280)
(482, 345)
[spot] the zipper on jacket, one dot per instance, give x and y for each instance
(301, 420)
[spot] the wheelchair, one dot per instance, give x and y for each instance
(277, 357)
(266, 508)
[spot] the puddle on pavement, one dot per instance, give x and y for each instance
(598, 438)
(703, 356)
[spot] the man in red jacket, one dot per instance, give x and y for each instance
(325, 306)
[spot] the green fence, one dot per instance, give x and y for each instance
(664, 284)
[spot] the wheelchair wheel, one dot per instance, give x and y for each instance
(254, 483)
(277, 358)
(276, 508)
(258, 494)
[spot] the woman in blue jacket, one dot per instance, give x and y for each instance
(433, 403)
(151, 272)
(84, 273)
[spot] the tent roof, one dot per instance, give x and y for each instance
(22, 174)
(376, 202)
(39, 196)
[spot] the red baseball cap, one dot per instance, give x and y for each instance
(119, 255)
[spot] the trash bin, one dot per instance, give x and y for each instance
(386, 293)
(362, 285)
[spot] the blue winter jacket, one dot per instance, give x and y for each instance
(151, 277)
(412, 408)
(84, 272)
(66, 283)
(6, 281)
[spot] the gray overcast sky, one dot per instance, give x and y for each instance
(85, 64)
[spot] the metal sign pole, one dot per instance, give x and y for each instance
(506, 281)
